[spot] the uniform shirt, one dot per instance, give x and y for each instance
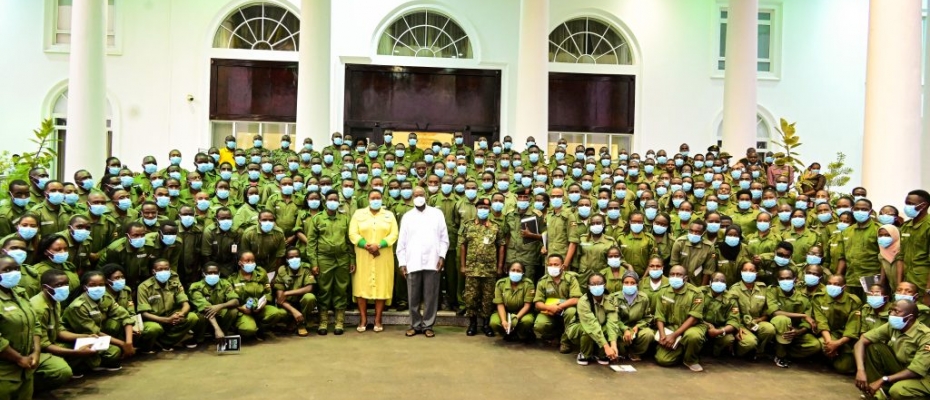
(566, 288)
(802, 242)
(448, 205)
(481, 241)
(48, 315)
(698, 259)
(863, 320)
(731, 268)
(512, 298)
(220, 247)
(268, 248)
(161, 250)
(18, 327)
(285, 212)
(832, 314)
(860, 250)
(645, 286)
(751, 302)
(722, 310)
(673, 308)
(203, 295)
(102, 232)
(67, 267)
(86, 316)
(778, 300)
(422, 240)
(328, 236)
(746, 220)
(161, 300)
(763, 246)
(915, 250)
(50, 220)
(637, 249)
(9, 214)
(639, 314)
(254, 288)
(528, 254)
(598, 319)
(911, 348)
(30, 279)
(289, 279)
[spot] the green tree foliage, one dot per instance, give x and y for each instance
(837, 173)
(17, 167)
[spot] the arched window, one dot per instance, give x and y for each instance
(588, 41)
(60, 120)
(425, 33)
(763, 134)
(262, 26)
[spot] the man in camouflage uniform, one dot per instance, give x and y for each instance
(481, 254)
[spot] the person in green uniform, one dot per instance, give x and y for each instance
(635, 314)
(696, 254)
(914, 258)
(750, 297)
(283, 204)
(447, 202)
(596, 326)
(293, 286)
(791, 316)
(679, 312)
(895, 356)
(53, 371)
(215, 300)
(660, 232)
(800, 236)
(165, 308)
(220, 242)
(636, 245)
(557, 293)
(745, 215)
(832, 310)
(256, 315)
(872, 314)
(20, 336)
(15, 247)
(94, 311)
(591, 248)
(513, 296)
(655, 270)
(266, 241)
(52, 253)
(247, 214)
(481, 255)
(51, 212)
(133, 252)
(523, 245)
(15, 207)
(722, 317)
(732, 253)
(859, 254)
(332, 259)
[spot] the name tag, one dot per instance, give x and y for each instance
(141, 255)
(622, 246)
(47, 222)
(697, 272)
(824, 308)
(834, 244)
(9, 308)
(82, 254)
(240, 284)
(722, 262)
(790, 240)
(870, 319)
(759, 297)
(98, 312)
(668, 299)
(684, 254)
(487, 240)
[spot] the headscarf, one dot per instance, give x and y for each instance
(730, 253)
(890, 252)
(635, 276)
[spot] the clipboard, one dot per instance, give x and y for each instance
(229, 344)
(531, 224)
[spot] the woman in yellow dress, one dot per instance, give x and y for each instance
(373, 231)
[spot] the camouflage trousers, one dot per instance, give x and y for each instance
(479, 296)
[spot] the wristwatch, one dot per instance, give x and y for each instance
(885, 379)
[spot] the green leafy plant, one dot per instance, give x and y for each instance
(18, 166)
(789, 141)
(837, 174)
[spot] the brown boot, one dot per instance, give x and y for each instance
(340, 321)
(324, 323)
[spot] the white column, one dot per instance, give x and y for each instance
(313, 71)
(85, 146)
(891, 164)
(925, 146)
(739, 85)
(532, 75)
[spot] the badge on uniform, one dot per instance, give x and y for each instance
(229, 344)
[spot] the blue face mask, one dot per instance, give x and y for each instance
(375, 204)
(694, 238)
(699, 193)
(293, 263)
(18, 255)
(659, 229)
(163, 276)
(769, 203)
(781, 261)
(655, 273)
(834, 290)
(557, 202)
(332, 205)
(630, 290)
(676, 282)
(162, 201)
(814, 260)
(80, 235)
(748, 277)
(21, 202)
(175, 160)
(169, 240)
(149, 168)
(684, 215)
(137, 242)
(118, 284)
(886, 219)
(240, 160)
(713, 227)
(483, 213)
(899, 297)
(96, 293)
(811, 280)
(744, 204)
(861, 216)
(188, 220)
(266, 226)
(56, 198)
(798, 222)
(596, 229)
(87, 184)
(615, 214)
(60, 258)
(875, 302)
(596, 290)
(897, 322)
(786, 285)
(516, 277)
(225, 224)
(718, 287)
(212, 279)
(253, 199)
(781, 186)
(222, 194)
(885, 241)
(406, 193)
(584, 211)
(763, 226)
(651, 213)
(731, 241)
(10, 279)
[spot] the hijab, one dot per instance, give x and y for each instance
(889, 253)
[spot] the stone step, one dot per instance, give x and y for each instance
(443, 318)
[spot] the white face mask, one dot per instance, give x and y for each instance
(433, 189)
(419, 201)
(554, 271)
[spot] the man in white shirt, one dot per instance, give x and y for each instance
(421, 248)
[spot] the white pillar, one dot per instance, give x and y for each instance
(925, 145)
(85, 146)
(739, 85)
(532, 75)
(891, 143)
(313, 71)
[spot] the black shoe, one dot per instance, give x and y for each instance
(321, 332)
(472, 327)
(488, 331)
(338, 332)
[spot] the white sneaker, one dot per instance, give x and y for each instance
(582, 360)
(695, 367)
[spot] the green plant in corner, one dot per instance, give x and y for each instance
(789, 142)
(18, 167)
(837, 174)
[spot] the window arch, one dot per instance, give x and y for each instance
(425, 33)
(763, 133)
(262, 26)
(59, 114)
(587, 40)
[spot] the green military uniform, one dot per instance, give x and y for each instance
(892, 351)
(752, 304)
(30, 279)
(18, 329)
(915, 251)
(802, 243)
(746, 220)
(78, 252)
(638, 315)
(551, 292)
(107, 316)
(454, 278)
(221, 247)
(164, 300)
(861, 252)
(50, 219)
(245, 217)
(673, 309)
(866, 319)
(664, 246)
(595, 325)
(528, 254)
(189, 244)
(722, 311)
(136, 262)
(481, 241)
(637, 249)
(268, 248)
(54, 371)
(329, 248)
(646, 287)
(285, 212)
(171, 253)
(698, 259)
(832, 315)
(513, 300)
(290, 279)
(203, 295)
(592, 256)
(9, 213)
(802, 346)
(253, 289)
(73, 281)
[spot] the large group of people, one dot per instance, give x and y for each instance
(612, 255)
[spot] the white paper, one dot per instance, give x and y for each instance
(97, 344)
(271, 276)
(623, 368)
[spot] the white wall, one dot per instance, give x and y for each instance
(166, 51)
